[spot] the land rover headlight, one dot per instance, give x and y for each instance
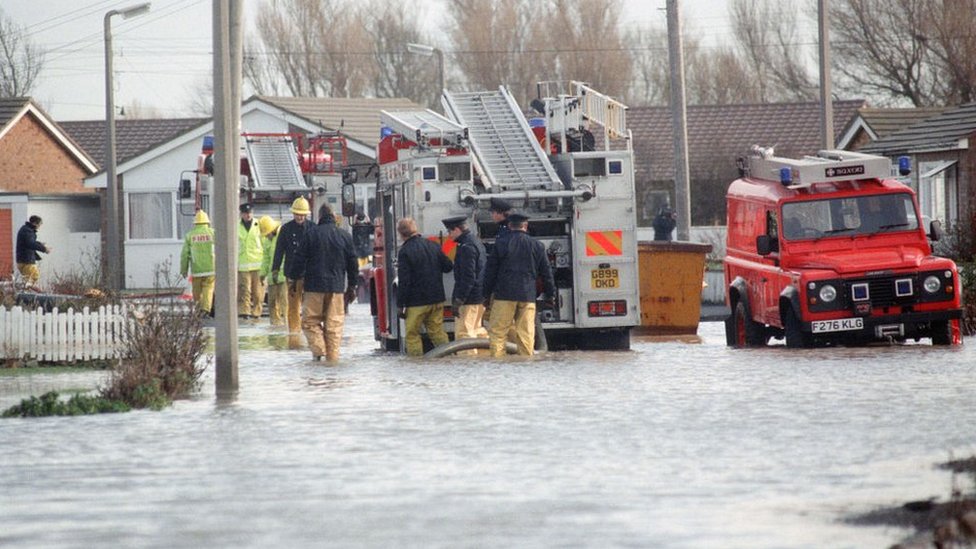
(932, 284)
(827, 293)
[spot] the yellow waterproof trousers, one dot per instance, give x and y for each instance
(250, 293)
(431, 317)
(30, 272)
(295, 288)
(323, 316)
(467, 324)
(503, 315)
(277, 303)
(203, 290)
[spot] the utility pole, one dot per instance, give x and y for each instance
(826, 105)
(682, 184)
(227, 68)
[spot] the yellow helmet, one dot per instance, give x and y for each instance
(300, 206)
(201, 218)
(267, 225)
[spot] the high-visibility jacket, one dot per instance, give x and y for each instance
(197, 257)
(269, 252)
(250, 252)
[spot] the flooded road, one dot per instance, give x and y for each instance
(669, 445)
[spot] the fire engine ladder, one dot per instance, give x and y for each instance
(504, 148)
(274, 162)
(422, 126)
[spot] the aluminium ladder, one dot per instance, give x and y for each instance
(504, 147)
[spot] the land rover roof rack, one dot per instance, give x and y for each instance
(827, 166)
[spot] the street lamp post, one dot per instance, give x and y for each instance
(114, 259)
(423, 49)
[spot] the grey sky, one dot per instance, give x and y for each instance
(160, 56)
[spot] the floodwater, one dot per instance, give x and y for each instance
(669, 445)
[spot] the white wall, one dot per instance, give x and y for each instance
(70, 229)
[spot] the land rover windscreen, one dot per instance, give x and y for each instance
(851, 216)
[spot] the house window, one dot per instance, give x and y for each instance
(937, 190)
(151, 216)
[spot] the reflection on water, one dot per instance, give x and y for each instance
(670, 445)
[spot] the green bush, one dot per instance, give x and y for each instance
(50, 404)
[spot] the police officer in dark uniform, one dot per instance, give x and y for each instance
(469, 273)
(510, 278)
(420, 287)
(499, 214)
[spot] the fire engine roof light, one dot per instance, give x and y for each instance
(904, 165)
(786, 176)
(208, 143)
(385, 131)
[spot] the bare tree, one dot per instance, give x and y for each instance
(501, 42)
(712, 75)
(20, 61)
(309, 48)
(771, 51)
(590, 45)
(396, 72)
(949, 34)
(880, 49)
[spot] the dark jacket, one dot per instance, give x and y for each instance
(28, 246)
(420, 263)
(289, 240)
(469, 269)
(502, 234)
(513, 268)
(325, 259)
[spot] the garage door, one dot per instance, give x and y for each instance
(6, 245)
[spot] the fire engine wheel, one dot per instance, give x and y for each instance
(941, 332)
(742, 331)
(796, 338)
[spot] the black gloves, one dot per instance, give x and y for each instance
(350, 295)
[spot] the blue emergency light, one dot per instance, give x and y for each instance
(786, 176)
(208, 145)
(904, 165)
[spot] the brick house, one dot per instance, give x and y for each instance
(41, 173)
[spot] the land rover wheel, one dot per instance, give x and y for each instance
(941, 332)
(741, 330)
(796, 338)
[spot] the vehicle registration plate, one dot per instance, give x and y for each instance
(604, 279)
(837, 325)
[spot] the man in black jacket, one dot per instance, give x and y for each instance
(420, 287)
(289, 240)
(27, 248)
(469, 274)
(510, 278)
(326, 263)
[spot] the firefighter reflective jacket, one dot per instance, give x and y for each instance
(197, 258)
(250, 253)
(269, 252)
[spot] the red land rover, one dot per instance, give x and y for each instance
(826, 250)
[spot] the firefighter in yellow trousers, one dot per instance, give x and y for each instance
(250, 253)
(510, 279)
(290, 237)
(197, 261)
(277, 290)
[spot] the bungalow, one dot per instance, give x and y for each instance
(944, 161)
(155, 218)
(717, 135)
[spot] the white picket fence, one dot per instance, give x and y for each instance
(62, 336)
